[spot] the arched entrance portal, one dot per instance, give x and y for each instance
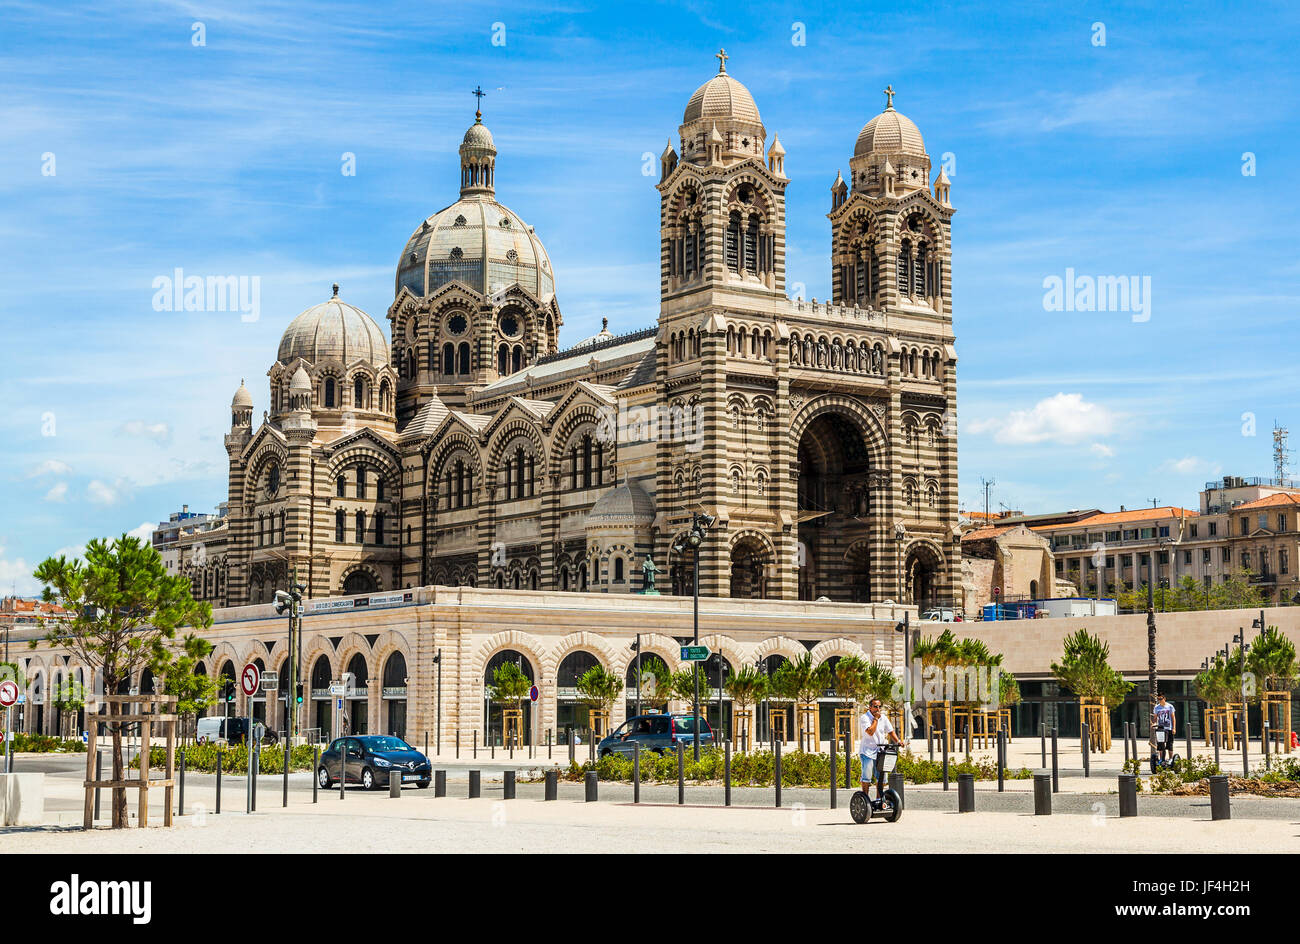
(359, 581)
(750, 560)
(835, 506)
(921, 572)
(394, 695)
(322, 706)
(355, 720)
(571, 712)
(493, 723)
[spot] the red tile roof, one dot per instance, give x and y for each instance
(1270, 501)
(1121, 517)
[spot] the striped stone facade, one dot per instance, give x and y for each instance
(473, 450)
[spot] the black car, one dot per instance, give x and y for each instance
(658, 732)
(372, 759)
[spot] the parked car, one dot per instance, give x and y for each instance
(371, 759)
(657, 732)
(941, 614)
(230, 731)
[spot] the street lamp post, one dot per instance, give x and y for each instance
(289, 602)
(691, 540)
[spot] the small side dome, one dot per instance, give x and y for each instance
(243, 399)
(478, 135)
(626, 506)
(334, 329)
(300, 383)
(604, 335)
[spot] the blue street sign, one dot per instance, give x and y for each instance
(340, 705)
(533, 693)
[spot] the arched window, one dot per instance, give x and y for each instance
(904, 268)
(517, 359)
(360, 536)
(338, 526)
(503, 360)
(733, 242)
(358, 393)
(379, 487)
(379, 527)
(464, 357)
(361, 481)
(751, 245)
(919, 272)
(618, 570)
(338, 487)
(329, 393)
(448, 358)
(410, 364)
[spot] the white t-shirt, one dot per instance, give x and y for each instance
(871, 743)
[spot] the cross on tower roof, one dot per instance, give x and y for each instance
(478, 93)
(722, 57)
(889, 92)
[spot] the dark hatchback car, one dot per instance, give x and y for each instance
(371, 759)
(655, 733)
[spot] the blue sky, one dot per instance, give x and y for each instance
(225, 159)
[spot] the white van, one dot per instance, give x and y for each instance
(221, 730)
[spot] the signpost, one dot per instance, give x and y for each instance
(695, 653)
(249, 680)
(8, 698)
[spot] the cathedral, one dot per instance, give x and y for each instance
(473, 448)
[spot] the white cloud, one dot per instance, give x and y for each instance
(1101, 450)
(16, 575)
(1063, 418)
(102, 494)
(1190, 465)
(49, 467)
(144, 531)
(158, 432)
(58, 493)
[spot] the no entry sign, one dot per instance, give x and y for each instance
(251, 678)
(8, 693)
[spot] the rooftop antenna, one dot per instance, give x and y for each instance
(1280, 453)
(987, 484)
(1155, 502)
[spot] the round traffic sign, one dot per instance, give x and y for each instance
(251, 679)
(533, 693)
(8, 693)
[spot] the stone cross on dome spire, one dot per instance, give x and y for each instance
(722, 57)
(889, 93)
(478, 93)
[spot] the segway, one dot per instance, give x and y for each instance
(890, 805)
(1156, 763)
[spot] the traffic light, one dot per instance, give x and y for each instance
(298, 694)
(228, 689)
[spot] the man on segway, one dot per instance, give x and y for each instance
(876, 733)
(1163, 720)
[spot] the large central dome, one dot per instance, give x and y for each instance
(479, 242)
(476, 241)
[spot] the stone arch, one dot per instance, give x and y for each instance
(780, 646)
(505, 436)
(579, 640)
(361, 567)
(873, 434)
(529, 645)
(839, 646)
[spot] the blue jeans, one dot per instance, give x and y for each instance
(868, 767)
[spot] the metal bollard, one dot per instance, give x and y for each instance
(681, 774)
(1128, 795)
(1085, 746)
(343, 773)
(219, 758)
(440, 783)
(315, 776)
(99, 775)
(548, 743)
(636, 772)
(1124, 738)
(834, 776)
(1187, 734)
(394, 785)
(777, 771)
(1042, 733)
(1056, 768)
(286, 769)
(552, 784)
(848, 762)
(1002, 759)
(508, 786)
(726, 775)
(896, 784)
(965, 793)
(1220, 805)
(943, 740)
(591, 781)
(568, 732)
(1042, 794)
(180, 799)
(458, 744)
(1263, 742)
(254, 768)
(475, 784)
(475, 744)
(1215, 727)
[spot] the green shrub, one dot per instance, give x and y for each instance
(46, 744)
(234, 758)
